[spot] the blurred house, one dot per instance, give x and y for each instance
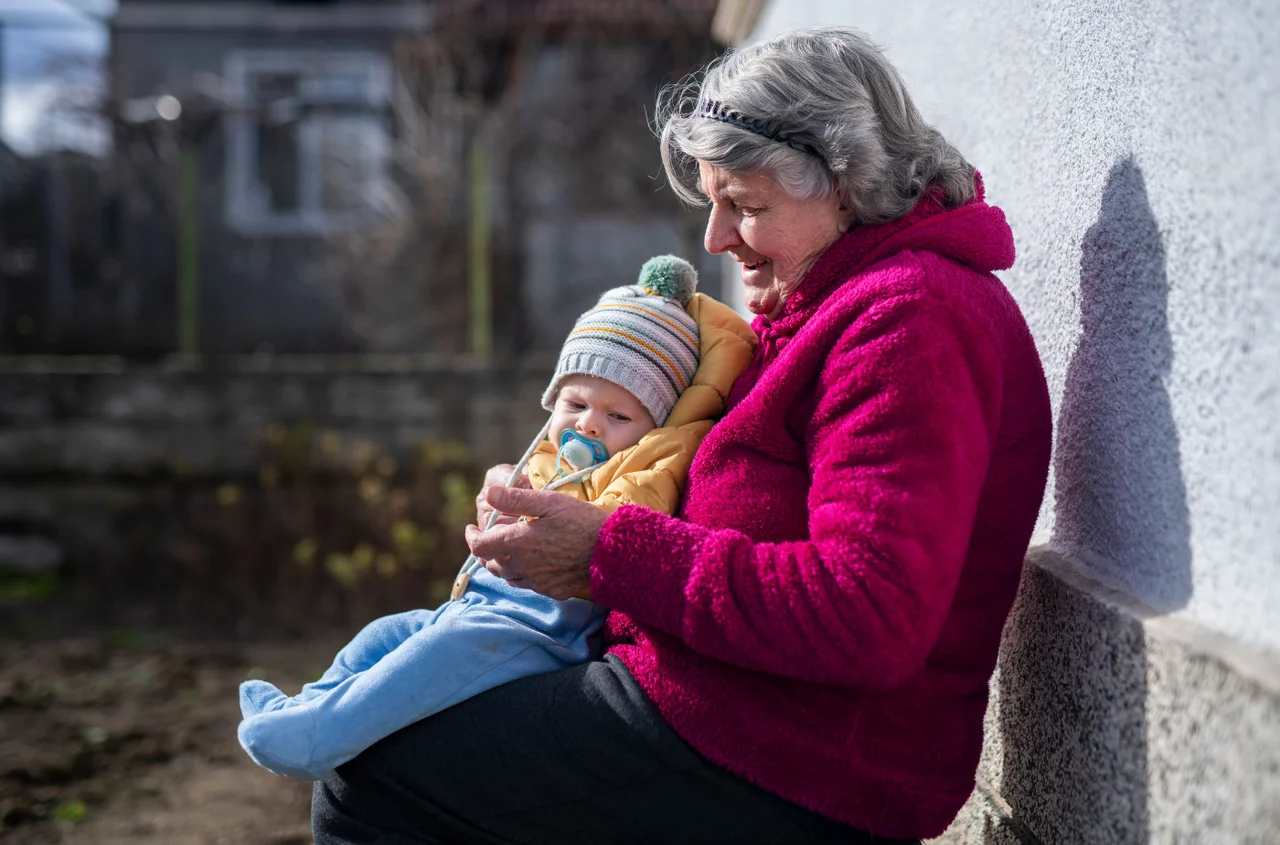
(59, 288)
(284, 107)
(17, 255)
(387, 176)
(10, 166)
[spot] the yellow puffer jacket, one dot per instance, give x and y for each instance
(653, 472)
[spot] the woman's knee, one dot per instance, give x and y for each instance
(386, 788)
(348, 805)
(335, 821)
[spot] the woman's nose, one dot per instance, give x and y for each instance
(722, 233)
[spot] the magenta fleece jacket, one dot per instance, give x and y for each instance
(823, 616)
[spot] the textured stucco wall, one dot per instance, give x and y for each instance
(1129, 143)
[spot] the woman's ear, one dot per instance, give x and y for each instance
(844, 216)
(844, 208)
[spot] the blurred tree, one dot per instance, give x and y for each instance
(536, 108)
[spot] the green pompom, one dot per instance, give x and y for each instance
(670, 276)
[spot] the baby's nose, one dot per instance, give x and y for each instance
(589, 424)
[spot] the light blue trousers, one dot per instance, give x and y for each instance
(404, 667)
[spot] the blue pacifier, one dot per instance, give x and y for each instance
(580, 452)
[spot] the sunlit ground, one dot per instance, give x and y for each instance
(130, 738)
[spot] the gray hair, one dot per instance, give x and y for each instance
(829, 91)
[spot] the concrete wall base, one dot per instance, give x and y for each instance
(1111, 724)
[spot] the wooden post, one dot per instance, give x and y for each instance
(188, 268)
(479, 284)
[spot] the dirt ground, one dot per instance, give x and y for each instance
(130, 738)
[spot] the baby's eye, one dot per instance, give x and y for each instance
(622, 418)
(574, 406)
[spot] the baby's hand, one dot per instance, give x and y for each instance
(498, 476)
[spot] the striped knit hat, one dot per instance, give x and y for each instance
(639, 337)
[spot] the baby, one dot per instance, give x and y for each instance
(640, 380)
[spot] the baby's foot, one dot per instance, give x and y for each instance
(261, 697)
(283, 741)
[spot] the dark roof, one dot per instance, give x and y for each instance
(689, 15)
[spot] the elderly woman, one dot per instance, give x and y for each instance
(803, 654)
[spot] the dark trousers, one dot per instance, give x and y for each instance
(577, 756)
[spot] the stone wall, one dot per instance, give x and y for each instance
(250, 496)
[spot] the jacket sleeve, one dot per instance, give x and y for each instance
(897, 448)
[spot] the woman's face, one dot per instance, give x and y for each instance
(600, 410)
(774, 236)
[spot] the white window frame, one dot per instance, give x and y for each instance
(245, 210)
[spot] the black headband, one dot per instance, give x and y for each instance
(715, 110)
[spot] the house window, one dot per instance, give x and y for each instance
(307, 140)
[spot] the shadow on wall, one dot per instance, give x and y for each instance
(1120, 502)
(1072, 673)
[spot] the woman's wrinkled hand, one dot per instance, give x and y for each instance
(550, 553)
(496, 476)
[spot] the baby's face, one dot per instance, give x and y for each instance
(601, 410)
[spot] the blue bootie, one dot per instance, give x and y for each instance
(260, 697)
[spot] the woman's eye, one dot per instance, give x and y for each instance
(749, 210)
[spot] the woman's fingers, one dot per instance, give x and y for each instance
(494, 544)
(504, 572)
(549, 554)
(498, 475)
(484, 513)
(523, 502)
